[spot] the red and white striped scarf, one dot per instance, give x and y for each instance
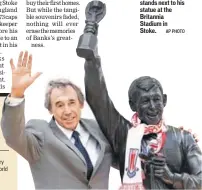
(133, 174)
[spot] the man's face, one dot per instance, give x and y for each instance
(65, 107)
(150, 105)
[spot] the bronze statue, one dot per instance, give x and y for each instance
(169, 158)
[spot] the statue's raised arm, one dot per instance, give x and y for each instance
(113, 125)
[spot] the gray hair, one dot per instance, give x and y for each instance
(61, 83)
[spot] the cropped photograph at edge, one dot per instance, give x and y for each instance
(70, 151)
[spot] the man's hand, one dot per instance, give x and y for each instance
(156, 165)
(190, 131)
(161, 169)
(21, 75)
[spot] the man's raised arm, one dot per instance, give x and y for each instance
(26, 141)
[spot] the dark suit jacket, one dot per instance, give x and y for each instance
(54, 161)
(182, 153)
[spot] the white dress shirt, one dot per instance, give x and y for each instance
(91, 144)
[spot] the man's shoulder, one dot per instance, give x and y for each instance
(37, 124)
(89, 121)
(93, 126)
(178, 129)
(180, 134)
(90, 124)
(173, 128)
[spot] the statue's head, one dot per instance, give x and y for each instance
(147, 99)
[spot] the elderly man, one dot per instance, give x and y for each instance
(69, 152)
